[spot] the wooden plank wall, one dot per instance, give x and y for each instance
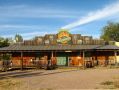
(104, 57)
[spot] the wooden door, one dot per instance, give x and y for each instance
(62, 59)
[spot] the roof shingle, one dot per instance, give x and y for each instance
(58, 47)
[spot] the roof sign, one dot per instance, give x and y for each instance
(64, 37)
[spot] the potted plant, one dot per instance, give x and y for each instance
(6, 61)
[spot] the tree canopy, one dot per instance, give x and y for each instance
(18, 38)
(110, 32)
(3, 42)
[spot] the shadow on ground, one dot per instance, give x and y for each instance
(22, 74)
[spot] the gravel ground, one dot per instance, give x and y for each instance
(59, 79)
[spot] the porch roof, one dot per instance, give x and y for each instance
(57, 47)
(108, 47)
(48, 47)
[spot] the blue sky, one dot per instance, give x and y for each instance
(31, 18)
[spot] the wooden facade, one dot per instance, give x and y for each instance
(62, 49)
(74, 58)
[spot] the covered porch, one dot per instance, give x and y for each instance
(62, 55)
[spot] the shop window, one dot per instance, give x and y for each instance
(79, 42)
(87, 42)
(39, 39)
(51, 37)
(75, 37)
(47, 41)
(87, 38)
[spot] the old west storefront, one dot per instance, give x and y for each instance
(62, 49)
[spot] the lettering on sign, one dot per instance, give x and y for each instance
(64, 37)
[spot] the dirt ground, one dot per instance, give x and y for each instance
(58, 79)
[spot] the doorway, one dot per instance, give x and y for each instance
(62, 59)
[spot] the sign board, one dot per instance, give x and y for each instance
(64, 37)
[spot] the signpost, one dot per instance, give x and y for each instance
(64, 37)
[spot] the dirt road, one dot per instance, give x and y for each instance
(59, 79)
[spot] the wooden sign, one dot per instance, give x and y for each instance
(64, 37)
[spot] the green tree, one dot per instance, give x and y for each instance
(3, 42)
(110, 32)
(18, 38)
(6, 56)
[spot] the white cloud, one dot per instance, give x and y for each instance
(27, 31)
(26, 11)
(29, 35)
(107, 11)
(22, 27)
(35, 33)
(95, 36)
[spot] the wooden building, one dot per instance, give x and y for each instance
(62, 49)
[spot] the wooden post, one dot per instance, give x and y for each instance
(55, 59)
(84, 59)
(52, 54)
(68, 61)
(115, 54)
(52, 58)
(21, 60)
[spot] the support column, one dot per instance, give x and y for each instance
(52, 54)
(55, 58)
(68, 61)
(21, 60)
(52, 58)
(84, 59)
(115, 55)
